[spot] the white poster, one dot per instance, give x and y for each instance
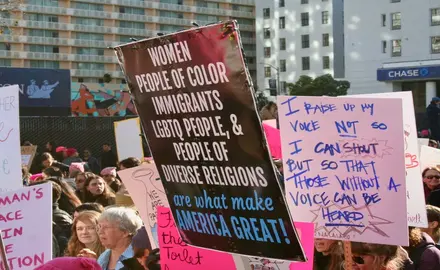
(10, 151)
(27, 234)
(429, 157)
(414, 182)
(128, 139)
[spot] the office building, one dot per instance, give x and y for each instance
(393, 45)
(75, 35)
(301, 37)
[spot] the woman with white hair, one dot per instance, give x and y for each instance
(116, 228)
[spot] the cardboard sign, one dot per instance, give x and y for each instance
(344, 167)
(192, 93)
(128, 139)
(414, 182)
(10, 160)
(147, 192)
(27, 234)
(274, 140)
(423, 141)
(179, 255)
(27, 155)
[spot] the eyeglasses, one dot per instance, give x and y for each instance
(358, 260)
(430, 177)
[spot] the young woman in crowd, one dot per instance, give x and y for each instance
(84, 235)
(47, 161)
(88, 207)
(329, 255)
(431, 180)
(80, 180)
(97, 190)
(109, 175)
(422, 250)
(117, 226)
(433, 229)
(377, 257)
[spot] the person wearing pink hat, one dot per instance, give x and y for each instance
(70, 263)
(109, 175)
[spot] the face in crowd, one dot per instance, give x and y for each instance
(86, 232)
(96, 186)
(324, 245)
(431, 178)
(80, 179)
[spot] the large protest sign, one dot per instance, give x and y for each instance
(344, 167)
(128, 139)
(193, 95)
(145, 188)
(176, 255)
(27, 233)
(429, 157)
(10, 154)
(414, 184)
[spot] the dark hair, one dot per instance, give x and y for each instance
(106, 143)
(53, 172)
(67, 190)
(89, 197)
(130, 162)
(90, 207)
(270, 104)
(153, 260)
(46, 156)
(428, 169)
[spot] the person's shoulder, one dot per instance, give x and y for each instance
(103, 258)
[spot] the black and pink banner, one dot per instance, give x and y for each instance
(196, 104)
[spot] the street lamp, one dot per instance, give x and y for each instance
(278, 76)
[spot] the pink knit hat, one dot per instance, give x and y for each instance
(70, 263)
(76, 166)
(109, 171)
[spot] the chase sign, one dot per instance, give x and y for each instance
(408, 73)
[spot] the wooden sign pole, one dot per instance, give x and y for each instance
(3, 253)
(348, 255)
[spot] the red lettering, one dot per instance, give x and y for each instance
(8, 248)
(11, 216)
(411, 161)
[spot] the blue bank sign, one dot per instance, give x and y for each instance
(408, 73)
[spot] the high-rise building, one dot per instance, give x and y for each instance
(75, 35)
(301, 37)
(393, 45)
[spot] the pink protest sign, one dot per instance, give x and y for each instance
(274, 140)
(175, 254)
(26, 226)
(147, 192)
(344, 167)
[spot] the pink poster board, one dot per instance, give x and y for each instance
(274, 140)
(147, 192)
(344, 167)
(175, 254)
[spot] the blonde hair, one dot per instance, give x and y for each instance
(75, 246)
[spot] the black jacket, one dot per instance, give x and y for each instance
(108, 159)
(61, 227)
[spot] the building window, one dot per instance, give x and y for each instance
(324, 17)
(305, 19)
(44, 64)
(266, 52)
(305, 63)
(384, 20)
(281, 3)
(266, 13)
(325, 40)
(305, 41)
(282, 44)
(397, 47)
(283, 66)
(435, 44)
(435, 16)
(326, 62)
(56, 49)
(395, 1)
(304, 1)
(384, 46)
(282, 22)
(266, 33)
(396, 22)
(80, 80)
(267, 72)
(283, 86)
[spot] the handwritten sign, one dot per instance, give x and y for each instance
(10, 159)
(128, 139)
(414, 182)
(27, 155)
(22, 227)
(344, 167)
(147, 192)
(176, 254)
(192, 93)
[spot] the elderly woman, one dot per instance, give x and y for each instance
(116, 228)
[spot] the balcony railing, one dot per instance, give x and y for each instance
(58, 57)
(95, 73)
(58, 41)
